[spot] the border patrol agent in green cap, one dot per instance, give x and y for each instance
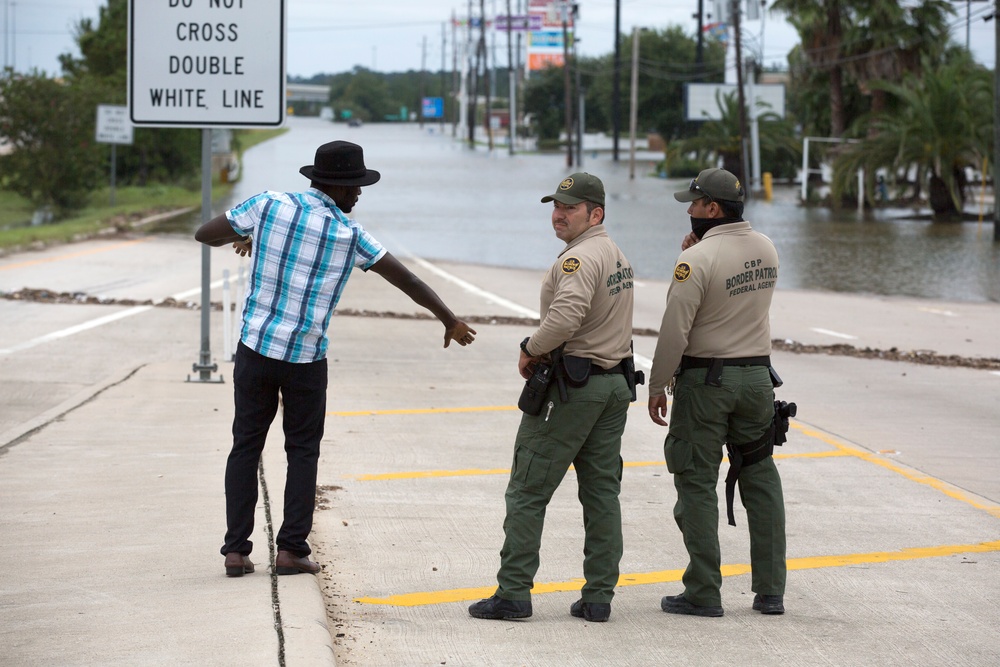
(578, 188)
(584, 336)
(715, 184)
(713, 354)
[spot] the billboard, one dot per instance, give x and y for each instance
(545, 43)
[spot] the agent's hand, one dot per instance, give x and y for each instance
(658, 409)
(244, 248)
(461, 333)
(526, 365)
(689, 240)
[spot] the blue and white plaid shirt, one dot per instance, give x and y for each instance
(304, 249)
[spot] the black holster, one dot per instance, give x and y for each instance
(741, 456)
(535, 389)
(632, 377)
(747, 454)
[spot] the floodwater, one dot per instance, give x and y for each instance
(440, 200)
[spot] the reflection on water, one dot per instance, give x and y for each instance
(889, 254)
(438, 199)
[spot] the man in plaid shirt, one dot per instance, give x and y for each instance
(304, 248)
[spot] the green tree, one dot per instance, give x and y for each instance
(156, 154)
(820, 24)
(938, 123)
(666, 64)
(54, 161)
(365, 94)
(887, 40)
(545, 104)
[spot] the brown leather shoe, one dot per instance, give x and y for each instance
(237, 564)
(287, 563)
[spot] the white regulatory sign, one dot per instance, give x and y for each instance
(113, 126)
(203, 63)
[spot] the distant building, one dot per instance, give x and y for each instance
(305, 99)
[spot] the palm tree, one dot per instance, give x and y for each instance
(886, 40)
(780, 149)
(820, 24)
(938, 123)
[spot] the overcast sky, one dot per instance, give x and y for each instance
(330, 36)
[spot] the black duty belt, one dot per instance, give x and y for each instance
(705, 362)
(617, 369)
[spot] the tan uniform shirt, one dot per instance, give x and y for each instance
(718, 301)
(586, 301)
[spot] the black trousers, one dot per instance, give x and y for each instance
(258, 381)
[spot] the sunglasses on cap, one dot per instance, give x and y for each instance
(694, 187)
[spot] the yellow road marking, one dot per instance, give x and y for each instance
(912, 475)
(81, 253)
(840, 449)
(667, 576)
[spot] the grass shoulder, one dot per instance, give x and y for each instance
(132, 205)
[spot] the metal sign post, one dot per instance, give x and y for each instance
(204, 64)
(113, 127)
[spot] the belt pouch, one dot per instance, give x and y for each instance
(714, 375)
(576, 369)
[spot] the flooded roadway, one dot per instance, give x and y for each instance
(442, 201)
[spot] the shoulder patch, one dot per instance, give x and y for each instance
(682, 272)
(570, 265)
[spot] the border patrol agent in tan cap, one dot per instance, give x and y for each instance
(584, 337)
(713, 353)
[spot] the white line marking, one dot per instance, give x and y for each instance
(469, 287)
(935, 311)
(100, 321)
(835, 334)
(63, 333)
(640, 360)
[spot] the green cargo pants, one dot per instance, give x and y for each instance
(586, 431)
(702, 419)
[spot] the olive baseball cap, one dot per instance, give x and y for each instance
(577, 188)
(714, 184)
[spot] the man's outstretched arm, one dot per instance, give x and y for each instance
(403, 279)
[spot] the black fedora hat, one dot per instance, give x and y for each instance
(340, 163)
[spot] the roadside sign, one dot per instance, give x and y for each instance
(204, 63)
(519, 23)
(701, 100)
(113, 126)
(432, 107)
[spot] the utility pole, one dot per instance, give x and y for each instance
(13, 35)
(579, 93)
(459, 89)
(634, 107)
(423, 79)
(616, 106)
(735, 9)
(996, 120)
(487, 71)
(511, 86)
(472, 88)
(567, 89)
(699, 57)
(6, 38)
(444, 77)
